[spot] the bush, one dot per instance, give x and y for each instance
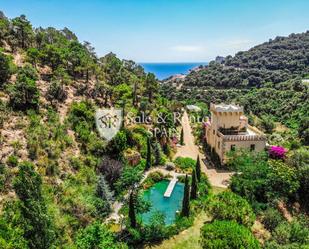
(185, 163)
(290, 235)
(227, 234)
(12, 161)
(56, 91)
(229, 206)
(271, 218)
(152, 179)
(118, 144)
(98, 236)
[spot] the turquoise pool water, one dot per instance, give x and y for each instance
(167, 206)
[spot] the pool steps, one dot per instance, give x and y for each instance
(170, 187)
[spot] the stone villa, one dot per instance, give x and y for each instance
(228, 129)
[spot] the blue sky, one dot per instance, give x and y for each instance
(167, 30)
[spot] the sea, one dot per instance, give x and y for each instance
(165, 70)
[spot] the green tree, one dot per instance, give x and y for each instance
(24, 94)
(151, 86)
(97, 236)
(132, 213)
(181, 137)
(148, 156)
(33, 56)
(227, 234)
(230, 206)
(185, 211)
(157, 153)
(4, 69)
(34, 219)
(22, 31)
(198, 168)
(4, 28)
(267, 124)
(193, 194)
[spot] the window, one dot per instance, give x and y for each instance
(214, 132)
(219, 145)
(252, 147)
(233, 147)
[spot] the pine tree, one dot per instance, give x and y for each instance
(186, 199)
(148, 158)
(132, 215)
(193, 194)
(34, 219)
(198, 169)
(181, 137)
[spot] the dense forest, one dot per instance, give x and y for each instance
(63, 186)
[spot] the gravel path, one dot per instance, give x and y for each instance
(218, 178)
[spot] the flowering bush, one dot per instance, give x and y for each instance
(277, 152)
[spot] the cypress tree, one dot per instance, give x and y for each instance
(148, 158)
(193, 194)
(198, 168)
(186, 199)
(123, 114)
(132, 215)
(157, 153)
(134, 95)
(181, 137)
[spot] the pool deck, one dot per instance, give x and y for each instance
(170, 187)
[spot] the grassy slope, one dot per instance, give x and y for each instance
(190, 237)
(186, 239)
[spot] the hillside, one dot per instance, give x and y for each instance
(278, 60)
(64, 186)
(268, 80)
(51, 156)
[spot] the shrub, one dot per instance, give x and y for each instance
(97, 235)
(290, 235)
(12, 161)
(185, 163)
(271, 218)
(230, 206)
(56, 91)
(277, 152)
(152, 179)
(227, 234)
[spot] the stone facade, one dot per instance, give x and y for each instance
(228, 129)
